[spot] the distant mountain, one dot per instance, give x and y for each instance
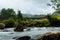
(32, 16)
(38, 16)
(27, 15)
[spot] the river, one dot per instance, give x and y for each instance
(34, 33)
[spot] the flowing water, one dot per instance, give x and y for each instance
(34, 33)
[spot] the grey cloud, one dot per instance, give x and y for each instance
(27, 6)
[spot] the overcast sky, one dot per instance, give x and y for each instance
(28, 6)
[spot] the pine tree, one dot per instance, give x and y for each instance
(19, 16)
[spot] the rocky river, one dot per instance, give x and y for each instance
(34, 33)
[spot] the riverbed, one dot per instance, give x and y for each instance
(34, 33)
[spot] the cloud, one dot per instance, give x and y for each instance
(27, 6)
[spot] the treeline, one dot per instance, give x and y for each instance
(49, 21)
(9, 13)
(10, 18)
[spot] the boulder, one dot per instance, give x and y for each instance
(19, 28)
(2, 26)
(50, 36)
(24, 38)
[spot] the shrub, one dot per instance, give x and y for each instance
(54, 20)
(35, 23)
(42, 23)
(9, 23)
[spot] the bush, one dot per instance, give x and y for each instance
(54, 20)
(50, 36)
(35, 23)
(43, 22)
(9, 23)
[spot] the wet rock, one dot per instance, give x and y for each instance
(24, 38)
(28, 29)
(19, 28)
(11, 33)
(2, 26)
(50, 36)
(15, 37)
(5, 31)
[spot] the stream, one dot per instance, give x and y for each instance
(34, 33)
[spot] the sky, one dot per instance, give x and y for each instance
(28, 6)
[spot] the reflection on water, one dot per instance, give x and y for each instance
(8, 34)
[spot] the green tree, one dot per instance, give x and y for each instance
(11, 13)
(55, 4)
(19, 16)
(7, 13)
(3, 14)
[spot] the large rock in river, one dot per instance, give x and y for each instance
(19, 28)
(2, 26)
(50, 36)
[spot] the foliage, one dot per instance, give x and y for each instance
(35, 23)
(19, 16)
(9, 23)
(55, 4)
(10, 18)
(54, 20)
(7, 13)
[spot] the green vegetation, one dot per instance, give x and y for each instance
(11, 19)
(54, 20)
(36, 23)
(9, 23)
(7, 13)
(19, 16)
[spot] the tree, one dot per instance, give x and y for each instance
(11, 13)
(3, 14)
(55, 4)
(7, 13)
(19, 16)
(54, 20)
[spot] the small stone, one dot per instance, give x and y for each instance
(24, 38)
